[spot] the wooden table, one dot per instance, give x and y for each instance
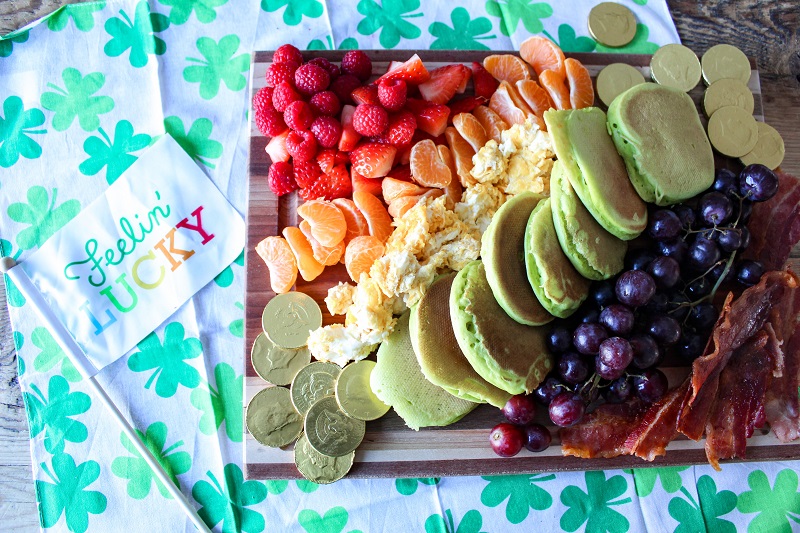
(764, 29)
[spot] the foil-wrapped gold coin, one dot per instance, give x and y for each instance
(769, 149)
(612, 24)
(289, 318)
(312, 382)
(675, 65)
(732, 131)
(615, 79)
(724, 61)
(330, 431)
(354, 393)
(725, 92)
(319, 468)
(277, 365)
(272, 419)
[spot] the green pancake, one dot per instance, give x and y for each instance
(507, 354)
(594, 252)
(398, 381)
(441, 360)
(658, 133)
(558, 286)
(503, 254)
(596, 171)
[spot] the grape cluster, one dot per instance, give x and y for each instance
(508, 438)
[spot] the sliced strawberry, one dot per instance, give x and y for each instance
(341, 158)
(368, 94)
(466, 73)
(412, 71)
(401, 129)
(350, 136)
(443, 84)
(326, 159)
(373, 160)
(393, 65)
(370, 185)
(485, 84)
(431, 118)
(276, 148)
(401, 172)
(333, 184)
(465, 105)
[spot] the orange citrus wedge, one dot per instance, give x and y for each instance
(378, 219)
(556, 88)
(309, 267)
(327, 222)
(471, 129)
(492, 123)
(543, 54)
(326, 255)
(360, 253)
(277, 255)
(507, 67)
(427, 168)
(581, 90)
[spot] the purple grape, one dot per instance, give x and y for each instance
(572, 368)
(730, 239)
(537, 437)
(717, 271)
(651, 385)
(520, 409)
(548, 389)
(748, 272)
(745, 239)
(666, 272)
(703, 316)
(646, 352)
(605, 371)
(617, 319)
(757, 183)
(664, 329)
(686, 216)
(506, 439)
(699, 288)
(726, 182)
(678, 306)
(587, 338)
(635, 288)
(619, 390)
(603, 293)
(588, 391)
(615, 353)
(674, 248)
(559, 340)
(566, 409)
(588, 313)
(691, 346)
(663, 224)
(715, 208)
(638, 259)
(703, 253)
(657, 304)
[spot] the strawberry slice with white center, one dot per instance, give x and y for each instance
(444, 83)
(373, 160)
(412, 71)
(350, 136)
(276, 148)
(431, 118)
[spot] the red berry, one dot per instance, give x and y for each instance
(412, 71)
(443, 83)
(301, 145)
(465, 105)
(343, 86)
(269, 121)
(401, 129)
(506, 439)
(281, 178)
(332, 69)
(373, 160)
(368, 94)
(327, 130)
(485, 84)
(537, 437)
(283, 95)
(392, 94)
(334, 184)
(262, 99)
(358, 64)
(276, 147)
(311, 79)
(280, 72)
(370, 120)
(326, 103)
(287, 52)
(306, 172)
(350, 136)
(298, 115)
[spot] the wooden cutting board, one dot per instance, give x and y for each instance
(390, 449)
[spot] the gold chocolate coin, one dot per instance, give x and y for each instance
(320, 468)
(769, 149)
(289, 318)
(732, 131)
(725, 92)
(675, 65)
(724, 61)
(314, 381)
(275, 364)
(615, 79)
(271, 418)
(612, 24)
(354, 393)
(330, 431)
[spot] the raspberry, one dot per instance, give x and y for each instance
(281, 178)
(287, 52)
(301, 145)
(370, 120)
(326, 103)
(269, 121)
(335, 184)
(401, 129)
(392, 94)
(262, 99)
(298, 115)
(358, 64)
(311, 79)
(332, 69)
(327, 130)
(343, 86)
(280, 72)
(306, 172)
(283, 95)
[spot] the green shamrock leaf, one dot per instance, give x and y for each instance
(225, 278)
(568, 42)
(115, 155)
(510, 12)
(43, 216)
(15, 129)
(645, 479)
(223, 404)
(67, 493)
(76, 100)
(196, 142)
(205, 10)
(13, 296)
(775, 506)
(639, 44)
(219, 66)
(640, 2)
(465, 33)
(348, 44)
(168, 360)
(82, 16)
(138, 472)
(471, 523)
(408, 486)
(19, 340)
(306, 486)
(51, 354)
(138, 36)
(594, 506)
(295, 9)
(694, 518)
(237, 326)
(522, 493)
(52, 414)
(334, 521)
(229, 504)
(276, 486)
(7, 43)
(389, 18)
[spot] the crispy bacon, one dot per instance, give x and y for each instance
(783, 405)
(775, 225)
(658, 426)
(602, 433)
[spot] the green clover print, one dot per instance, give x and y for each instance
(15, 127)
(76, 100)
(522, 493)
(205, 10)
(223, 404)
(139, 473)
(334, 521)
(219, 66)
(279, 486)
(639, 44)
(237, 326)
(19, 340)
(471, 523)
(775, 506)
(13, 296)
(295, 9)
(511, 12)
(408, 486)
(594, 507)
(465, 33)
(390, 18)
(699, 518)
(138, 36)
(568, 41)
(225, 278)
(7, 43)
(52, 414)
(67, 494)
(114, 155)
(196, 142)
(82, 16)
(51, 354)
(42, 215)
(229, 504)
(348, 44)
(645, 479)
(168, 360)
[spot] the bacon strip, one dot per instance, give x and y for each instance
(783, 405)
(775, 225)
(602, 433)
(659, 425)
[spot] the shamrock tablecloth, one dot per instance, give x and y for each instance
(88, 89)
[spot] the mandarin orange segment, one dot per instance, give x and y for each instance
(581, 90)
(471, 129)
(507, 67)
(361, 252)
(492, 123)
(327, 222)
(427, 168)
(400, 206)
(462, 154)
(378, 219)
(537, 98)
(309, 267)
(326, 255)
(356, 223)
(394, 188)
(277, 255)
(543, 54)
(503, 104)
(454, 190)
(556, 88)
